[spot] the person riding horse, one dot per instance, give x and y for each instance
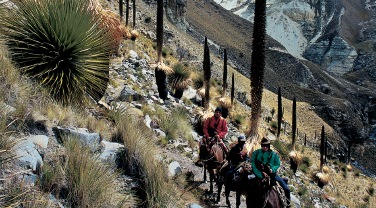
(236, 154)
(265, 163)
(215, 129)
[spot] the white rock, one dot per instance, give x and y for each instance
(41, 140)
(133, 54)
(27, 155)
(109, 150)
(174, 169)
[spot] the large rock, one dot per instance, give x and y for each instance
(174, 169)
(109, 150)
(41, 140)
(27, 155)
(127, 94)
(333, 54)
(90, 140)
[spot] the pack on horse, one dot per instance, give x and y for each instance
(214, 158)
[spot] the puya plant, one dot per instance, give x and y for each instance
(179, 80)
(59, 44)
(295, 156)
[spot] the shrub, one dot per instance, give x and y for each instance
(89, 181)
(302, 191)
(139, 159)
(60, 45)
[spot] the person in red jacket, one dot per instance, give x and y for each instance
(215, 130)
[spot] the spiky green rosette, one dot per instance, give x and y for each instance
(59, 44)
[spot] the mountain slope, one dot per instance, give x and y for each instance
(340, 103)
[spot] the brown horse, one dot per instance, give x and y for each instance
(213, 160)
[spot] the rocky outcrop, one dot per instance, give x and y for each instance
(176, 13)
(333, 54)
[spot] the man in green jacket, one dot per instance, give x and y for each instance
(265, 163)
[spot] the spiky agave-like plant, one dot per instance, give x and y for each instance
(179, 80)
(60, 45)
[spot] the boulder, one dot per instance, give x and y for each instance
(91, 140)
(40, 140)
(174, 169)
(27, 155)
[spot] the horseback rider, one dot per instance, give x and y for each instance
(265, 163)
(215, 129)
(236, 154)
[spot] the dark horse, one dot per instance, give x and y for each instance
(214, 159)
(265, 193)
(259, 193)
(233, 182)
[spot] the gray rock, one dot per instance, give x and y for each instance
(174, 169)
(127, 94)
(194, 206)
(109, 150)
(159, 133)
(27, 155)
(91, 140)
(295, 201)
(133, 54)
(190, 93)
(147, 121)
(41, 140)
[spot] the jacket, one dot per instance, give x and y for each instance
(235, 157)
(220, 125)
(269, 158)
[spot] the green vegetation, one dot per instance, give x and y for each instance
(60, 45)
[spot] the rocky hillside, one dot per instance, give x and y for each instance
(132, 94)
(346, 106)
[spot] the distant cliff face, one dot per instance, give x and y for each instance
(325, 32)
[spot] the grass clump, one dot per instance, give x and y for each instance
(90, 182)
(60, 45)
(139, 160)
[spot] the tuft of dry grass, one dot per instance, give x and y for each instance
(90, 182)
(140, 160)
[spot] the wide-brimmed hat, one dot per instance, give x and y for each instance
(265, 141)
(241, 138)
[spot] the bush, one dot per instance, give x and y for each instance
(89, 181)
(139, 159)
(60, 45)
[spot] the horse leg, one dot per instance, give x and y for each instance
(211, 176)
(238, 194)
(227, 194)
(204, 174)
(220, 185)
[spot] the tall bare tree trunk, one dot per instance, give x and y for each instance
(279, 116)
(322, 147)
(126, 12)
(121, 9)
(160, 74)
(224, 85)
(293, 123)
(207, 74)
(257, 66)
(134, 14)
(232, 89)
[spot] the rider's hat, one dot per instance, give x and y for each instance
(265, 141)
(241, 138)
(218, 109)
